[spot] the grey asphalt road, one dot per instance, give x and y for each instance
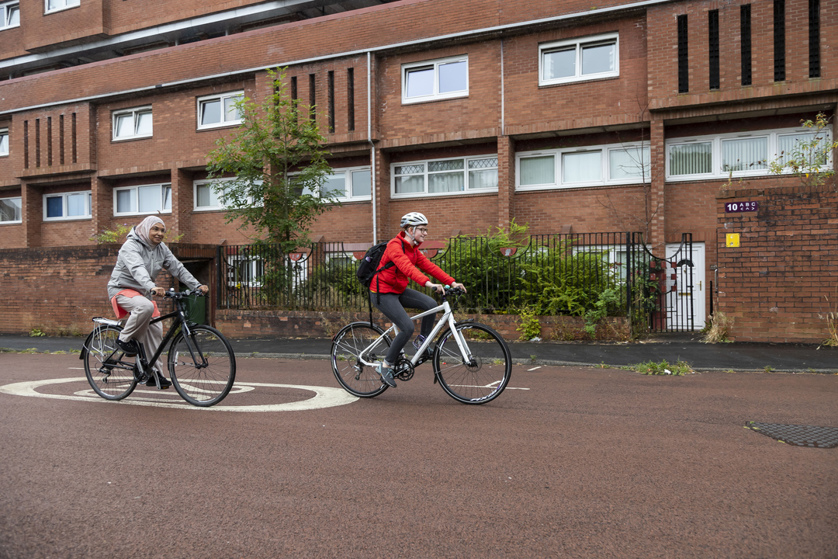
(567, 462)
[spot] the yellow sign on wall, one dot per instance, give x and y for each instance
(732, 240)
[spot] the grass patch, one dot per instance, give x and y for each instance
(662, 368)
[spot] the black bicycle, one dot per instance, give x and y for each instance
(201, 361)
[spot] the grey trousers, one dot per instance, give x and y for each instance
(392, 305)
(137, 326)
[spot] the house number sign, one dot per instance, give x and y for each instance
(741, 207)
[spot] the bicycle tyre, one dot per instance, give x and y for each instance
(356, 378)
(206, 385)
(108, 370)
(486, 377)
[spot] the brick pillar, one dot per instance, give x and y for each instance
(182, 204)
(32, 212)
(381, 195)
(506, 181)
(656, 203)
(101, 205)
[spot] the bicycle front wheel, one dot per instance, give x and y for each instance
(202, 366)
(355, 377)
(481, 378)
(109, 372)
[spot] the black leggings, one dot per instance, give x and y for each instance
(393, 305)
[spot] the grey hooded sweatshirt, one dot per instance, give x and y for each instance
(139, 263)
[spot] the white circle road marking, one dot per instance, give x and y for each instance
(324, 397)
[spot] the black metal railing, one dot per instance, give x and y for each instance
(550, 274)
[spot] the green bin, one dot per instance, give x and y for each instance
(196, 308)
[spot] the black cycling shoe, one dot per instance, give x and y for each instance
(129, 348)
(164, 383)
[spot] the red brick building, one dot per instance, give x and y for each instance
(619, 117)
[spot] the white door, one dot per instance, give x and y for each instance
(679, 304)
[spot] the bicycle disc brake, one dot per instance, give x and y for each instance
(403, 369)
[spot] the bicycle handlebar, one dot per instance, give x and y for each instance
(452, 291)
(172, 294)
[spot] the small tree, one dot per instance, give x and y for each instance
(278, 164)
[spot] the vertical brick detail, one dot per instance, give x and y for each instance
(506, 180)
(656, 204)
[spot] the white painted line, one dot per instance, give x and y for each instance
(324, 397)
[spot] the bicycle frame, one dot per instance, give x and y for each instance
(181, 324)
(447, 319)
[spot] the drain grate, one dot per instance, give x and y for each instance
(798, 435)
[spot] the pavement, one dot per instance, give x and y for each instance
(798, 358)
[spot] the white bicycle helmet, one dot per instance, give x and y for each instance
(413, 219)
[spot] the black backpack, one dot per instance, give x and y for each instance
(368, 267)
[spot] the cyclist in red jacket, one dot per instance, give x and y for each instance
(389, 291)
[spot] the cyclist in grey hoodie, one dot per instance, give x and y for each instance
(132, 284)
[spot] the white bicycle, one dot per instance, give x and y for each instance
(471, 361)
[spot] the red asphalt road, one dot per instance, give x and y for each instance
(568, 462)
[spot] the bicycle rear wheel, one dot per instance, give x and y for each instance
(483, 378)
(355, 377)
(109, 372)
(203, 368)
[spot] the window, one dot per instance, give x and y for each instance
(439, 79)
(57, 5)
(713, 53)
(691, 159)
(207, 194)
(590, 58)
(219, 110)
(144, 199)
(445, 176)
(734, 154)
(10, 14)
(10, 210)
(4, 141)
(132, 123)
(683, 55)
(814, 38)
(588, 166)
(349, 184)
(779, 40)
(69, 205)
(745, 47)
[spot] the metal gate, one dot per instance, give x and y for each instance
(671, 289)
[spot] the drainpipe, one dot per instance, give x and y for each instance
(372, 149)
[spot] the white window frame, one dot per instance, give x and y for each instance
(467, 188)
(578, 44)
(20, 204)
(605, 173)
(135, 209)
(214, 185)
(133, 112)
(717, 170)
(347, 173)
(4, 142)
(220, 97)
(66, 5)
(88, 201)
(435, 65)
(5, 14)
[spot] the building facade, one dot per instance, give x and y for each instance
(622, 117)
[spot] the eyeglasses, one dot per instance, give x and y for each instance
(421, 229)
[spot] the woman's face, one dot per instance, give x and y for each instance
(420, 233)
(158, 231)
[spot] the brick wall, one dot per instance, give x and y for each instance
(775, 285)
(58, 290)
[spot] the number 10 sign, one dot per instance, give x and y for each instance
(741, 207)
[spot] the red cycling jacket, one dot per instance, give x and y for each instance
(408, 260)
